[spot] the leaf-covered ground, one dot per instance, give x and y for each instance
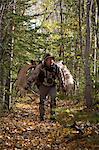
(21, 129)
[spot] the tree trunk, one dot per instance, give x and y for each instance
(88, 86)
(98, 7)
(2, 9)
(95, 53)
(80, 24)
(5, 53)
(97, 29)
(9, 56)
(61, 54)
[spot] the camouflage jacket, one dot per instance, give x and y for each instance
(44, 75)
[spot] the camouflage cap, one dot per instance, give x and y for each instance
(48, 56)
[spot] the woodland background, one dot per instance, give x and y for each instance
(69, 29)
(66, 28)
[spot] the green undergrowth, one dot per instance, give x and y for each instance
(77, 111)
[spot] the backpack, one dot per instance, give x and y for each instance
(66, 77)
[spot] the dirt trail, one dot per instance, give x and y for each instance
(21, 128)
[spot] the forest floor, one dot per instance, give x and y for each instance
(21, 129)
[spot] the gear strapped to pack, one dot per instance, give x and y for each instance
(66, 77)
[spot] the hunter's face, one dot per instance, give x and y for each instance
(49, 62)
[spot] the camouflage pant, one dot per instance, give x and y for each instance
(44, 91)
